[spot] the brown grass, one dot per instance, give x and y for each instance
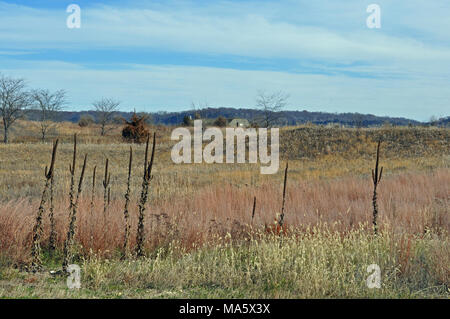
(409, 203)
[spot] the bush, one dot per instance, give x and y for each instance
(85, 120)
(135, 129)
(187, 121)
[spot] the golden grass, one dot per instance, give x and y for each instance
(317, 263)
(21, 165)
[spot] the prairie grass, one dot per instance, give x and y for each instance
(318, 263)
(21, 167)
(201, 236)
(409, 203)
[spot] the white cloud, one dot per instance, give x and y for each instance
(238, 32)
(404, 67)
(170, 88)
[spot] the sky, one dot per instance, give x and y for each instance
(165, 55)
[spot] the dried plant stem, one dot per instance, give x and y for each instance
(106, 181)
(68, 241)
(72, 173)
(37, 229)
(254, 207)
(93, 190)
(376, 177)
(140, 237)
(53, 235)
(68, 244)
(281, 220)
(126, 213)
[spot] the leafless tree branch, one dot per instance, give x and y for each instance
(271, 104)
(48, 104)
(14, 100)
(106, 107)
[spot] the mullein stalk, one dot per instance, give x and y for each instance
(53, 235)
(126, 213)
(140, 237)
(376, 178)
(68, 244)
(67, 241)
(281, 220)
(254, 208)
(106, 181)
(72, 174)
(93, 190)
(37, 229)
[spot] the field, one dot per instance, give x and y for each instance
(201, 240)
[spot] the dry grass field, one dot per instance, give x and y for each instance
(201, 239)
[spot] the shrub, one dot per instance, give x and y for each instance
(135, 130)
(85, 120)
(187, 121)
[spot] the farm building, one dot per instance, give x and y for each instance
(239, 123)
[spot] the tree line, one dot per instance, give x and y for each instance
(17, 99)
(47, 107)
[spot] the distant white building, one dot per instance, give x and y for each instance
(239, 123)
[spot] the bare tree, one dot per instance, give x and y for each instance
(434, 120)
(271, 104)
(105, 108)
(49, 104)
(14, 100)
(198, 109)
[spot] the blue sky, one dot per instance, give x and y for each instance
(164, 55)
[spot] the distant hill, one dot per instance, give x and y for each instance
(400, 142)
(285, 117)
